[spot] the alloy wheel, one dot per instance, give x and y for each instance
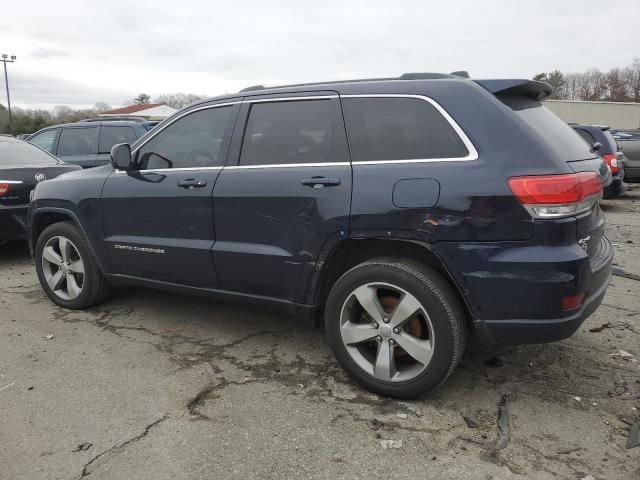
(63, 268)
(387, 332)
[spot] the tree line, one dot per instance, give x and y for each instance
(616, 85)
(30, 120)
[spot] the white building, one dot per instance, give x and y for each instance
(150, 111)
(613, 114)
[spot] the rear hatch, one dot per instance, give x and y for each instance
(525, 97)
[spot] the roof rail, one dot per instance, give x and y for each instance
(423, 76)
(404, 76)
(115, 119)
(252, 88)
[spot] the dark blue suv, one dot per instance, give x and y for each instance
(88, 143)
(406, 213)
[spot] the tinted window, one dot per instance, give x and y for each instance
(399, 129)
(586, 135)
(190, 142)
(609, 142)
(288, 132)
(45, 140)
(555, 133)
(22, 153)
(112, 135)
(78, 141)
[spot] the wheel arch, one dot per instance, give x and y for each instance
(348, 253)
(47, 216)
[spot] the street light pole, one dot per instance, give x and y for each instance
(6, 82)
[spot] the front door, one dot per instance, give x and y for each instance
(158, 221)
(284, 196)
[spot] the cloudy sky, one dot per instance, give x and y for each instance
(78, 52)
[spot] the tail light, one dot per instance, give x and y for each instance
(4, 188)
(612, 161)
(556, 196)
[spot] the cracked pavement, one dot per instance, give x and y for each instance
(164, 386)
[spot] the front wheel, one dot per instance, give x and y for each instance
(396, 326)
(66, 268)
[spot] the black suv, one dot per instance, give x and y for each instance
(405, 212)
(88, 143)
(602, 142)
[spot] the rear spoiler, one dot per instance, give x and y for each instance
(520, 87)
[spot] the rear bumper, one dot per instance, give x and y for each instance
(514, 293)
(13, 222)
(616, 188)
(495, 333)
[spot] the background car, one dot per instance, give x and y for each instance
(631, 149)
(602, 141)
(22, 166)
(88, 143)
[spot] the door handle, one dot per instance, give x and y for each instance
(192, 183)
(319, 182)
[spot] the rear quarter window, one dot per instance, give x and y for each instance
(396, 128)
(557, 135)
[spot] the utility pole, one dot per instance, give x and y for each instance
(4, 60)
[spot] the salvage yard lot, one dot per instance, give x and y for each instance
(157, 385)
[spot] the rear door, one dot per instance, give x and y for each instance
(78, 145)
(111, 135)
(284, 196)
(158, 221)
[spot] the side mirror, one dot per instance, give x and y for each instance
(596, 146)
(121, 157)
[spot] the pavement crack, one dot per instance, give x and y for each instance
(621, 272)
(116, 449)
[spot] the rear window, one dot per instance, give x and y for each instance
(558, 136)
(22, 153)
(399, 129)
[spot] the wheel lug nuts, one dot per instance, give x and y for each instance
(386, 319)
(379, 338)
(392, 341)
(396, 330)
(375, 325)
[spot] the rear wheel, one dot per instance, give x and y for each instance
(396, 326)
(66, 268)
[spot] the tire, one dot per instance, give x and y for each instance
(89, 287)
(440, 312)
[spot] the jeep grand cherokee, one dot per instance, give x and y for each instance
(408, 213)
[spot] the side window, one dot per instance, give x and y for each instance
(399, 129)
(297, 131)
(78, 141)
(45, 140)
(586, 135)
(112, 135)
(190, 142)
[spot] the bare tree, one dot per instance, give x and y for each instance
(616, 86)
(100, 107)
(632, 77)
(178, 100)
